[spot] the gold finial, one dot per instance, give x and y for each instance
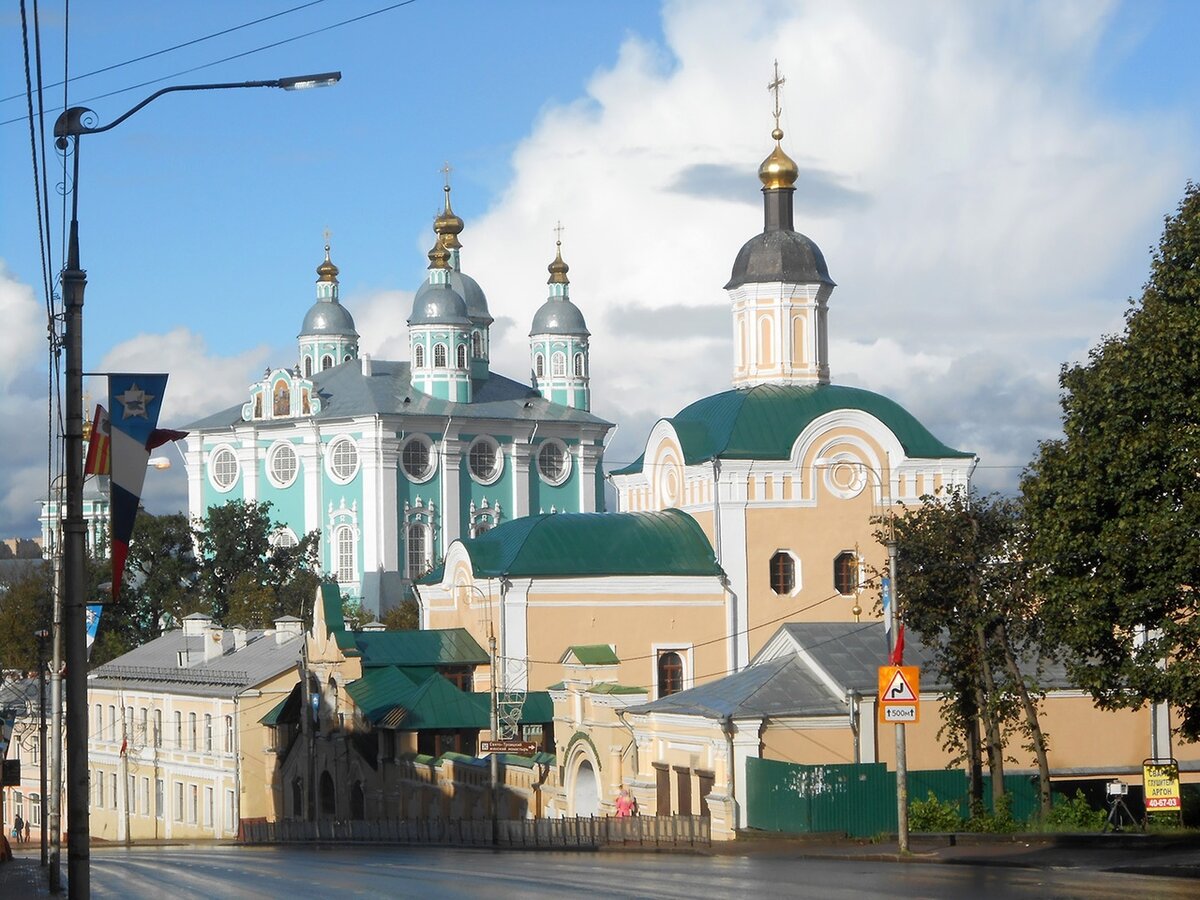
(778, 171)
(447, 225)
(439, 255)
(327, 271)
(558, 268)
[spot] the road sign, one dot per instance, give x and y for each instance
(518, 748)
(900, 694)
(1160, 783)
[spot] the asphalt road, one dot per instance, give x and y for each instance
(294, 872)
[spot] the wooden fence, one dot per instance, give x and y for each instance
(583, 832)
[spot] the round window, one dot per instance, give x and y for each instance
(484, 460)
(553, 462)
(343, 460)
(223, 469)
(416, 458)
(283, 465)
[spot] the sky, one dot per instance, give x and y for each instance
(986, 181)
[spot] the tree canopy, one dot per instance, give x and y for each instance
(1113, 506)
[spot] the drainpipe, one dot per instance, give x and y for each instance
(727, 728)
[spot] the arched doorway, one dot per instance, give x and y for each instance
(328, 805)
(586, 796)
(358, 802)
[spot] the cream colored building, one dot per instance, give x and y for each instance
(175, 746)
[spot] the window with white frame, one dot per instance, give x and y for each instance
(223, 469)
(343, 554)
(419, 356)
(439, 356)
(178, 730)
(208, 733)
(194, 805)
(192, 731)
(461, 356)
(179, 801)
(539, 365)
(282, 465)
(160, 807)
(283, 537)
(670, 673)
(579, 372)
(558, 364)
(343, 459)
(229, 811)
(229, 734)
(484, 460)
(477, 344)
(158, 728)
(416, 458)
(845, 572)
(208, 807)
(554, 463)
(308, 367)
(326, 362)
(417, 551)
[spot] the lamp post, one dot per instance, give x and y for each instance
(892, 612)
(42, 634)
(70, 126)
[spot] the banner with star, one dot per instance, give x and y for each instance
(134, 401)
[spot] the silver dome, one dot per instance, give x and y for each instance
(558, 315)
(328, 317)
(438, 304)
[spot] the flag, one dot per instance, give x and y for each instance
(93, 611)
(897, 657)
(134, 401)
(160, 436)
(124, 745)
(99, 443)
(886, 591)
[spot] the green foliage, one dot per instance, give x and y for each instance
(161, 575)
(1114, 506)
(24, 609)
(997, 821)
(932, 814)
(1074, 814)
(404, 617)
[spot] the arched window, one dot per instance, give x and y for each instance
(477, 344)
(418, 554)
(208, 734)
(461, 356)
(328, 803)
(783, 572)
(297, 798)
(419, 356)
(845, 572)
(558, 364)
(539, 365)
(343, 554)
(326, 363)
(258, 406)
(670, 673)
(578, 365)
(192, 731)
(308, 367)
(439, 356)
(358, 802)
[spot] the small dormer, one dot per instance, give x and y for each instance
(591, 663)
(281, 394)
(196, 624)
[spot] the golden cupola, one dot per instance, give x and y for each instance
(447, 225)
(778, 171)
(327, 271)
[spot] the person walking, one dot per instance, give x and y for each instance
(18, 828)
(624, 803)
(26, 841)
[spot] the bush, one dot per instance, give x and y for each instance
(933, 814)
(1074, 814)
(999, 821)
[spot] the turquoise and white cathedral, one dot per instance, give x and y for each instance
(392, 461)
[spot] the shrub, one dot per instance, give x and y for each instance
(1074, 814)
(933, 814)
(999, 821)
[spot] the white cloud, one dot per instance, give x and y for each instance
(23, 337)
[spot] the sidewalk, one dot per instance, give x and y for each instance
(23, 875)
(1172, 855)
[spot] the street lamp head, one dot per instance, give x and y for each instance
(159, 462)
(304, 82)
(74, 121)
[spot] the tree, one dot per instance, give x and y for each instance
(161, 574)
(244, 575)
(404, 616)
(1114, 505)
(24, 608)
(962, 588)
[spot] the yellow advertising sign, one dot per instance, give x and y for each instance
(900, 694)
(1160, 782)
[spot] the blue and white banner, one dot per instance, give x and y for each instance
(886, 590)
(93, 624)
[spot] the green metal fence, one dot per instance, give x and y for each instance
(859, 800)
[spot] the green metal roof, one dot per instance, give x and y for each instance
(379, 694)
(669, 542)
(331, 602)
(285, 711)
(593, 654)
(437, 647)
(764, 421)
(608, 687)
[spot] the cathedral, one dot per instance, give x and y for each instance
(392, 461)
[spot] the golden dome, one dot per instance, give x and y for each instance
(778, 171)
(327, 271)
(439, 255)
(558, 268)
(448, 225)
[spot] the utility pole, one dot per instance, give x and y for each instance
(42, 636)
(125, 765)
(494, 758)
(56, 722)
(901, 747)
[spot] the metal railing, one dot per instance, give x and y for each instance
(583, 832)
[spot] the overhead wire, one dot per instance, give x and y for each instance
(244, 53)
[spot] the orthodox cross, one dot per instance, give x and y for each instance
(558, 230)
(774, 87)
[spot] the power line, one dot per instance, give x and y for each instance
(146, 56)
(208, 65)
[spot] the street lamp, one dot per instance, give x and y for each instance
(892, 612)
(70, 126)
(42, 634)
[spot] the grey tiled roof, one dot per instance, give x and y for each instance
(155, 665)
(388, 391)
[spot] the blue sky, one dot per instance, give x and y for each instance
(984, 179)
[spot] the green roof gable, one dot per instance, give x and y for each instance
(592, 655)
(669, 542)
(331, 605)
(764, 421)
(436, 647)
(379, 694)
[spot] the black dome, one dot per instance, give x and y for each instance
(779, 255)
